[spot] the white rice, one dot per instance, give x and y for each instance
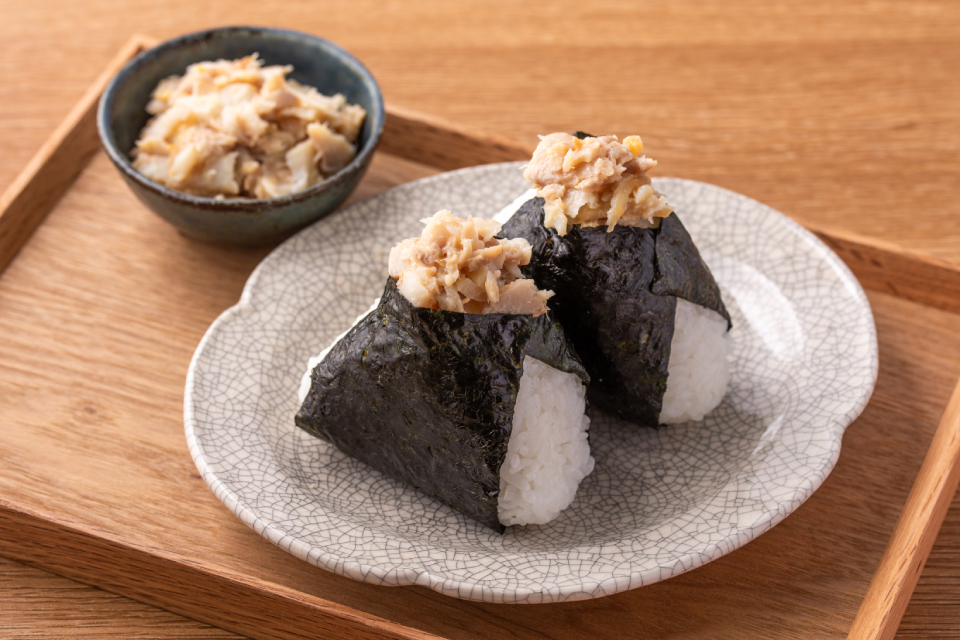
(698, 373)
(548, 453)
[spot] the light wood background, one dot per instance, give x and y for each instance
(842, 115)
(831, 112)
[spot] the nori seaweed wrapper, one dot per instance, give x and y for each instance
(427, 396)
(616, 298)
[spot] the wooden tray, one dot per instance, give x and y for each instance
(100, 314)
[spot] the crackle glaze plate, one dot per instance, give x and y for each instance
(659, 502)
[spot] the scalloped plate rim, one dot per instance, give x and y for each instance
(402, 576)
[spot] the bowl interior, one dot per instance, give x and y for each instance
(315, 62)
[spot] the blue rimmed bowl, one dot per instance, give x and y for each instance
(316, 62)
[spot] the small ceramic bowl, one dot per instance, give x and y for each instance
(316, 62)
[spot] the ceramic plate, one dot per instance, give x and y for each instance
(660, 502)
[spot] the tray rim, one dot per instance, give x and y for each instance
(879, 266)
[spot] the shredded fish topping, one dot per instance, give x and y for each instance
(458, 265)
(595, 181)
(237, 129)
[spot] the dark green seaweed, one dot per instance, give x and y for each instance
(681, 272)
(427, 397)
(616, 298)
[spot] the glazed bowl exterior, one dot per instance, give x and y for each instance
(316, 62)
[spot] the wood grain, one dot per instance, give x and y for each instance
(48, 175)
(838, 114)
(96, 348)
(903, 561)
(257, 608)
(438, 143)
(40, 605)
(933, 609)
(884, 266)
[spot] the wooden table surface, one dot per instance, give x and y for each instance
(845, 115)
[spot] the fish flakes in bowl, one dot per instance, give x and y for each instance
(234, 128)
